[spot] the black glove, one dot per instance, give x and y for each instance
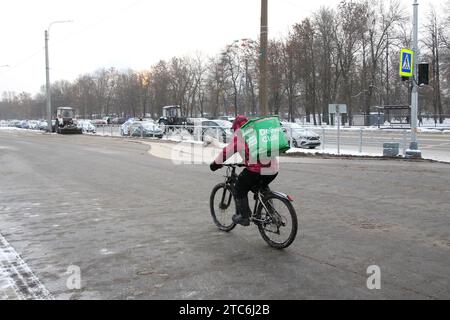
(214, 166)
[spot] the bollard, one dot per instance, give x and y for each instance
(323, 139)
(404, 142)
(360, 140)
(291, 140)
(391, 149)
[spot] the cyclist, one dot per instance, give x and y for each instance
(255, 173)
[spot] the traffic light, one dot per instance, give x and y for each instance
(424, 71)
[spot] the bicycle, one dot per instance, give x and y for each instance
(271, 213)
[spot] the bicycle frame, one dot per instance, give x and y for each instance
(230, 180)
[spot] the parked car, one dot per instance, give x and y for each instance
(99, 122)
(301, 137)
(43, 125)
(226, 118)
(86, 126)
(33, 125)
(218, 129)
(15, 124)
(145, 129)
(124, 129)
(119, 120)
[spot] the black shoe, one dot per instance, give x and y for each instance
(243, 221)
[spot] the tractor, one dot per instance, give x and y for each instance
(171, 118)
(64, 123)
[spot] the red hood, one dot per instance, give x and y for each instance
(239, 122)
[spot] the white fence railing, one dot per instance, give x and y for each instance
(354, 141)
(351, 141)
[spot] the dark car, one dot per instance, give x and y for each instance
(218, 129)
(145, 129)
(119, 120)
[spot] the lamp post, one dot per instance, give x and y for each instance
(47, 71)
(263, 99)
(414, 147)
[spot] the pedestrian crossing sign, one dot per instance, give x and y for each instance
(406, 63)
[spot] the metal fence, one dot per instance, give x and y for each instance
(327, 140)
(434, 143)
(174, 133)
(361, 141)
(382, 120)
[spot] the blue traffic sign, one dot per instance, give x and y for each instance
(406, 63)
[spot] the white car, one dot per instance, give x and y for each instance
(301, 137)
(124, 128)
(33, 125)
(86, 126)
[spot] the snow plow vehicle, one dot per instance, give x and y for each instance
(64, 123)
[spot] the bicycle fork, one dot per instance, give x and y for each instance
(224, 205)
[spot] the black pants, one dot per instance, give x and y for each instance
(247, 181)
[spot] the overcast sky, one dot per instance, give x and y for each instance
(130, 33)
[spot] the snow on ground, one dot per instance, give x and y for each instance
(333, 151)
(13, 129)
(17, 281)
(426, 154)
(7, 288)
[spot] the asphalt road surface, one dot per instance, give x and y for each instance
(138, 226)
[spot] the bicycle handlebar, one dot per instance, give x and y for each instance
(234, 165)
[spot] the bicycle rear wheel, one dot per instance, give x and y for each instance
(223, 207)
(277, 221)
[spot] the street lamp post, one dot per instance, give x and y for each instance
(263, 99)
(414, 147)
(47, 74)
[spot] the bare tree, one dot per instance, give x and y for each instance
(433, 42)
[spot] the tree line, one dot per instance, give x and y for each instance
(344, 54)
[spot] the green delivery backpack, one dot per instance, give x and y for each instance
(265, 137)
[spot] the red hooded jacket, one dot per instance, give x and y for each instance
(238, 145)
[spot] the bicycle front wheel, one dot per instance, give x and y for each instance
(223, 207)
(277, 221)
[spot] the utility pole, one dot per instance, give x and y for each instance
(387, 68)
(47, 85)
(414, 147)
(263, 100)
(47, 75)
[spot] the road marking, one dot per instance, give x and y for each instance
(18, 276)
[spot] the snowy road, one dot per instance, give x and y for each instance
(136, 226)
